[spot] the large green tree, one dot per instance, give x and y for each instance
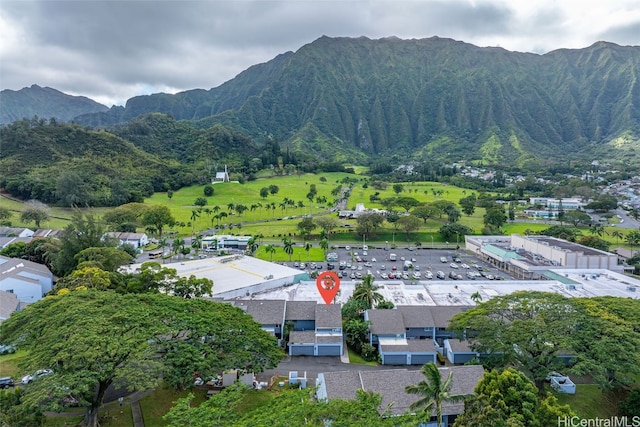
(526, 329)
(36, 212)
(130, 340)
(158, 216)
(83, 232)
(369, 222)
(291, 407)
(509, 399)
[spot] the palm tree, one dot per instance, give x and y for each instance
(476, 297)
(618, 235)
(324, 244)
(433, 391)
(307, 247)
(196, 243)
(366, 291)
(194, 216)
(252, 245)
(270, 249)
(288, 247)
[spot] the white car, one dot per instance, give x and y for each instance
(348, 247)
(37, 375)
(443, 259)
(464, 266)
(454, 265)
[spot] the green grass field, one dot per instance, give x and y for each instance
(9, 364)
(589, 402)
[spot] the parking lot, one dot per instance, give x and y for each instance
(407, 264)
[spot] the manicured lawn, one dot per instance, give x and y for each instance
(9, 364)
(67, 421)
(356, 359)
(315, 254)
(158, 403)
(589, 402)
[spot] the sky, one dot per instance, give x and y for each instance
(113, 50)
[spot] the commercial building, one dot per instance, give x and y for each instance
(529, 257)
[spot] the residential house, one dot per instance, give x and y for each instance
(15, 232)
(28, 280)
(391, 384)
(410, 335)
(268, 313)
(137, 240)
(8, 304)
(316, 329)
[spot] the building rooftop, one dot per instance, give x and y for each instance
(265, 312)
(386, 322)
(391, 384)
(235, 273)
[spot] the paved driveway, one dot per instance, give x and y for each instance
(314, 365)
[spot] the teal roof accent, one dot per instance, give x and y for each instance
(502, 253)
(552, 275)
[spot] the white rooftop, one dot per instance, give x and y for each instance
(236, 275)
(586, 283)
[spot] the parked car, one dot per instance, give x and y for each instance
(443, 259)
(454, 265)
(36, 376)
(440, 275)
(7, 349)
(6, 382)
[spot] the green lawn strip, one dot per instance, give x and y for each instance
(589, 402)
(157, 404)
(115, 415)
(315, 254)
(9, 364)
(356, 359)
(64, 421)
(256, 400)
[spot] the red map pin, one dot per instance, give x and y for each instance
(328, 284)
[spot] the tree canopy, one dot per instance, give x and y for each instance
(510, 399)
(120, 342)
(530, 330)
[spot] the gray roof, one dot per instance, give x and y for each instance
(416, 316)
(15, 265)
(460, 346)
(442, 314)
(328, 316)
(302, 337)
(390, 384)
(265, 312)
(412, 346)
(386, 322)
(11, 231)
(8, 304)
(301, 310)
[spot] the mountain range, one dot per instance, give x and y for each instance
(357, 99)
(44, 102)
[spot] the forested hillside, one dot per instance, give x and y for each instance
(436, 98)
(43, 102)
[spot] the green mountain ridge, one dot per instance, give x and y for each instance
(44, 102)
(445, 100)
(389, 95)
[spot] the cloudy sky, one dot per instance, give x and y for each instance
(113, 50)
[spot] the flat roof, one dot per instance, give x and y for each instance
(231, 272)
(586, 283)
